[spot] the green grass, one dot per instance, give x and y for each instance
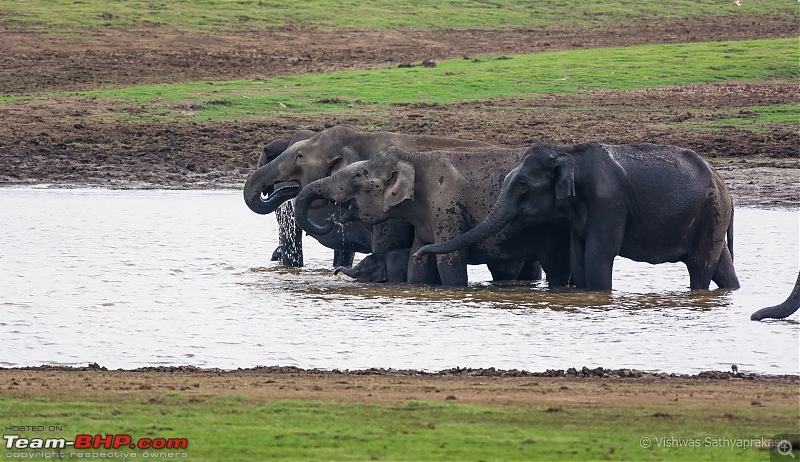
(238, 429)
(409, 14)
(755, 118)
(458, 80)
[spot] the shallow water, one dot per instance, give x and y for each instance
(144, 278)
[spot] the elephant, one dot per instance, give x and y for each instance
(349, 239)
(330, 150)
(442, 194)
(290, 243)
(785, 309)
(646, 202)
(389, 267)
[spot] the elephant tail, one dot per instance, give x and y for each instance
(730, 235)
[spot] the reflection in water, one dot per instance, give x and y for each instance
(133, 278)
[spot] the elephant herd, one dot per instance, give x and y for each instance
(424, 207)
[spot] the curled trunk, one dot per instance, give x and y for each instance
(262, 195)
(785, 309)
(352, 272)
(308, 195)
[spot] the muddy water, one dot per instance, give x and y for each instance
(137, 278)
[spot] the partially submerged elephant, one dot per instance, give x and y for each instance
(389, 267)
(345, 242)
(784, 310)
(647, 202)
(443, 194)
(331, 150)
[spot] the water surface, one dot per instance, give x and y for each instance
(144, 278)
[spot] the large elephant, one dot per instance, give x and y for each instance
(347, 239)
(647, 202)
(784, 310)
(442, 194)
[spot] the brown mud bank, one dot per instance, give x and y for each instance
(63, 143)
(478, 386)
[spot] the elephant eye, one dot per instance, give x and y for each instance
(298, 156)
(522, 188)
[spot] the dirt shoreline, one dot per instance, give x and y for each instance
(570, 373)
(191, 385)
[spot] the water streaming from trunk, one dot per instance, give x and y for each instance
(290, 236)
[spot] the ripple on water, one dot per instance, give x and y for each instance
(132, 278)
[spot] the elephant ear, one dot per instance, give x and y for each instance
(348, 154)
(400, 185)
(564, 176)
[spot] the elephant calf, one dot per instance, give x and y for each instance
(647, 202)
(380, 267)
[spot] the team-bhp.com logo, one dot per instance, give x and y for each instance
(95, 442)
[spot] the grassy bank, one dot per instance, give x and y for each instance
(409, 14)
(354, 92)
(237, 428)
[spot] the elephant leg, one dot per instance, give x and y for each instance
(703, 261)
(555, 259)
(505, 271)
(724, 274)
(699, 275)
(422, 270)
(557, 266)
(452, 268)
(531, 271)
(601, 248)
(276, 254)
(290, 236)
(343, 258)
(577, 258)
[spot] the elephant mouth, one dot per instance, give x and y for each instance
(277, 194)
(351, 213)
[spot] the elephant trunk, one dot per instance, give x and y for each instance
(263, 183)
(352, 272)
(785, 309)
(500, 216)
(308, 195)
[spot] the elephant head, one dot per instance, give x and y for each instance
(531, 193)
(275, 147)
(302, 162)
(367, 189)
(370, 269)
(327, 152)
